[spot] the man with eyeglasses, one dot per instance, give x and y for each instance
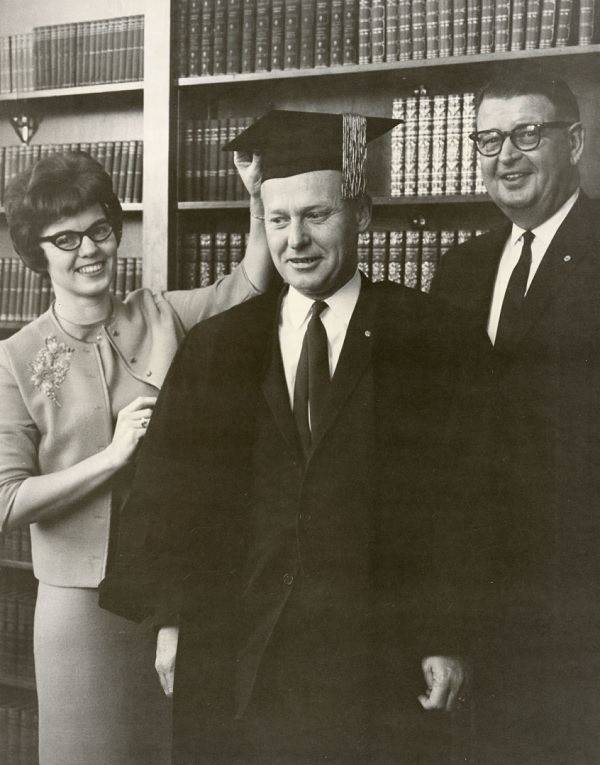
(533, 285)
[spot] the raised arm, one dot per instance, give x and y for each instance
(257, 262)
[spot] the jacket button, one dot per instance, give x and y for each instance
(288, 579)
(148, 373)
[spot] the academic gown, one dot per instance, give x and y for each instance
(307, 593)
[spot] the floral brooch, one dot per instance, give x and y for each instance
(50, 367)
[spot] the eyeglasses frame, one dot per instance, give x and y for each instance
(509, 134)
(80, 234)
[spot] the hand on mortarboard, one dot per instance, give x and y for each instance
(249, 167)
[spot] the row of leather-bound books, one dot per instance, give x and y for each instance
(229, 36)
(431, 150)
(73, 54)
(16, 636)
(407, 257)
(18, 731)
(122, 160)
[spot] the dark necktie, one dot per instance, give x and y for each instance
(515, 293)
(312, 378)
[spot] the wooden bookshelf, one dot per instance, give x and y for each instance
(74, 92)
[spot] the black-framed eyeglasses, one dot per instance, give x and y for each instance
(524, 137)
(71, 240)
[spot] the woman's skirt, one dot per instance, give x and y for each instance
(100, 700)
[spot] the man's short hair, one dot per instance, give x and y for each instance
(532, 83)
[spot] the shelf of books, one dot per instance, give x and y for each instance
(18, 707)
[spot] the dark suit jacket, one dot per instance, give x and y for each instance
(539, 530)
(367, 526)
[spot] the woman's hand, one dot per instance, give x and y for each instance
(249, 166)
(131, 427)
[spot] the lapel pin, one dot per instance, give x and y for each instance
(368, 333)
(567, 258)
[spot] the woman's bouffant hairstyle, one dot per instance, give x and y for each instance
(58, 186)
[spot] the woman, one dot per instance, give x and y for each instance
(77, 388)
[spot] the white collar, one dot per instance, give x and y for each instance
(545, 232)
(341, 303)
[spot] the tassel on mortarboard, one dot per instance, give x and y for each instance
(354, 155)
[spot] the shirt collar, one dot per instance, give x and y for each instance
(341, 303)
(545, 232)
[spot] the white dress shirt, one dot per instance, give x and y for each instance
(544, 234)
(293, 322)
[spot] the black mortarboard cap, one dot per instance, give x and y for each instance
(292, 142)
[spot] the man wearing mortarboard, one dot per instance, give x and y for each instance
(283, 505)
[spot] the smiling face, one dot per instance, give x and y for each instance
(529, 187)
(312, 232)
(84, 273)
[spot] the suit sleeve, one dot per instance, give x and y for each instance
(152, 556)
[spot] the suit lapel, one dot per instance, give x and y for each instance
(274, 386)
(354, 358)
(568, 248)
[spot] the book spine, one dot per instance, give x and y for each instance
(425, 126)
(429, 258)
(322, 33)
(459, 27)
(350, 32)
(235, 250)
(398, 140)
(205, 275)
(139, 172)
(220, 37)
(212, 171)
(364, 252)
(194, 38)
(391, 30)
(364, 32)
(404, 30)
(292, 35)
(418, 27)
(411, 259)
(379, 253)
(468, 153)
(222, 158)
(277, 34)
(473, 26)
(438, 144)
(395, 256)
(206, 38)
(129, 275)
(486, 41)
(249, 36)
(377, 31)
(586, 21)
(234, 36)
(130, 174)
(548, 23)
(114, 54)
(182, 23)
(532, 24)
(410, 146)
(453, 145)
(263, 36)
(445, 28)
(502, 26)
(336, 38)
(220, 255)
(563, 23)
(432, 25)
(518, 23)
